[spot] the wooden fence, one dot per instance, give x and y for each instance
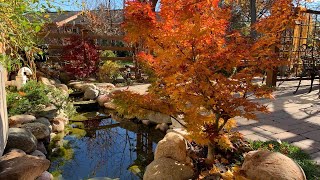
(58, 47)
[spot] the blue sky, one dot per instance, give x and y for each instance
(74, 5)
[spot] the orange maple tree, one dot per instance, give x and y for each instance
(204, 69)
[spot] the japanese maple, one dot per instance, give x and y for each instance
(81, 57)
(204, 69)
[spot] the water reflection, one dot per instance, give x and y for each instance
(112, 149)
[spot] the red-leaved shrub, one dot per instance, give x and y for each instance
(81, 57)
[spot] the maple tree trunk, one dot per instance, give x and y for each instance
(210, 155)
(253, 17)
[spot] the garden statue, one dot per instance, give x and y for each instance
(21, 78)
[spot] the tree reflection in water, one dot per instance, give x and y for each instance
(110, 150)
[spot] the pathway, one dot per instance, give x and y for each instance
(292, 118)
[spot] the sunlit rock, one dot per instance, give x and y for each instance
(167, 168)
(20, 119)
(39, 130)
(267, 165)
(24, 167)
(171, 146)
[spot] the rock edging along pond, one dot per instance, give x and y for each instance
(26, 150)
(54, 139)
(48, 134)
(102, 97)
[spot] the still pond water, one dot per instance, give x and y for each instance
(106, 148)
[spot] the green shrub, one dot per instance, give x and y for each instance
(34, 97)
(61, 101)
(108, 53)
(109, 71)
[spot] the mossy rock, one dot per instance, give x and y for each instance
(79, 125)
(65, 151)
(79, 133)
(84, 116)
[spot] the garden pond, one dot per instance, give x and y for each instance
(104, 148)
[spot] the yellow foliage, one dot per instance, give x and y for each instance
(232, 123)
(214, 170)
(227, 175)
(224, 142)
(224, 161)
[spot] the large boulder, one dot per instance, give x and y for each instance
(110, 106)
(163, 127)
(91, 94)
(49, 112)
(267, 165)
(105, 88)
(45, 176)
(20, 119)
(38, 154)
(166, 168)
(86, 86)
(13, 153)
(43, 120)
(104, 98)
(41, 147)
(39, 130)
(76, 85)
(23, 168)
(61, 119)
(82, 86)
(158, 117)
(47, 81)
(21, 139)
(58, 125)
(62, 87)
(171, 146)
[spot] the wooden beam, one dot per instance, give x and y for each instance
(59, 58)
(84, 26)
(117, 58)
(105, 37)
(65, 21)
(111, 48)
(116, 48)
(90, 35)
(56, 35)
(54, 24)
(312, 11)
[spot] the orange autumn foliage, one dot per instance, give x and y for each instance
(194, 52)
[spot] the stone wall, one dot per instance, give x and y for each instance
(3, 112)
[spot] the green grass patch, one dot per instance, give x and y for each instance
(310, 168)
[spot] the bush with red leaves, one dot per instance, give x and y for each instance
(81, 57)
